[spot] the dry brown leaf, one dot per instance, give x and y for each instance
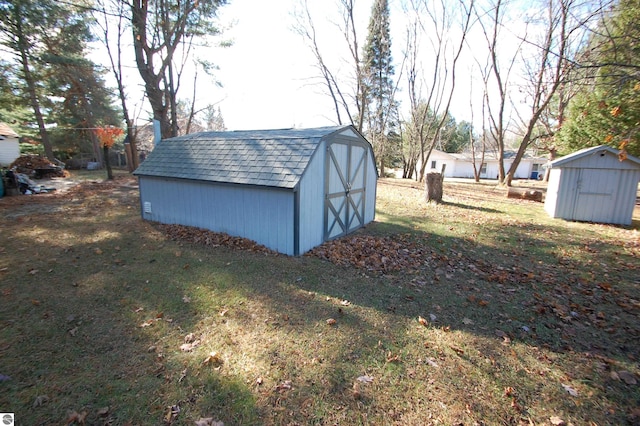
(284, 386)
(213, 359)
(392, 358)
(556, 421)
(423, 321)
(208, 421)
(570, 390)
(331, 321)
(188, 347)
(75, 417)
(627, 377)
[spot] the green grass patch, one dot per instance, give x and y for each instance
(525, 318)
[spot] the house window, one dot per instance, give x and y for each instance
(433, 164)
(483, 169)
(536, 167)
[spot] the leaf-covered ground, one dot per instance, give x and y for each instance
(480, 310)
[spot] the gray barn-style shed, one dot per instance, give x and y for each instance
(289, 190)
(593, 185)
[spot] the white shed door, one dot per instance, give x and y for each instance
(595, 195)
(345, 187)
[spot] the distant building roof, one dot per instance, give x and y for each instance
(275, 158)
(5, 130)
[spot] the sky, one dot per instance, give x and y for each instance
(268, 75)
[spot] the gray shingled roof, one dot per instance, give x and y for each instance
(276, 158)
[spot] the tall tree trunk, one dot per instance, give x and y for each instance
(31, 86)
(107, 162)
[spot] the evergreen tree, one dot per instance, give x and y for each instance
(381, 111)
(24, 26)
(607, 108)
(48, 41)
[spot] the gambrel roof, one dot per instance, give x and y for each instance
(275, 158)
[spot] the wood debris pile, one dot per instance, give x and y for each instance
(36, 166)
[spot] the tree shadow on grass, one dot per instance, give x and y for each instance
(267, 317)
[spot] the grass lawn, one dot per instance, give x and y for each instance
(479, 311)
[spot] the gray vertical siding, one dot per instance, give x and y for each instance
(592, 195)
(262, 214)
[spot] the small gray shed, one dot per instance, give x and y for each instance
(289, 190)
(593, 185)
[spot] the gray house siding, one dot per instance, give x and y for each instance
(258, 213)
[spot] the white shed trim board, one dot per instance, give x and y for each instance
(268, 186)
(593, 185)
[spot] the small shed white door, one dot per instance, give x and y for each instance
(345, 187)
(595, 195)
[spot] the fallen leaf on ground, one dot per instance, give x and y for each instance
(284, 386)
(208, 421)
(75, 417)
(557, 421)
(331, 321)
(431, 362)
(188, 347)
(570, 390)
(213, 358)
(345, 303)
(172, 413)
(467, 321)
(393, 358)
(40, 400)
(423, 321)
(365, 379)
(627, 377)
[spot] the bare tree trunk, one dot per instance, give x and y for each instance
(107, 162)
(553, 151)
(116, 68)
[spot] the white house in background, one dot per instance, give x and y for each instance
(9, 145)
(461, 165)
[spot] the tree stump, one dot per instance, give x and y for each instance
(434, 187)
